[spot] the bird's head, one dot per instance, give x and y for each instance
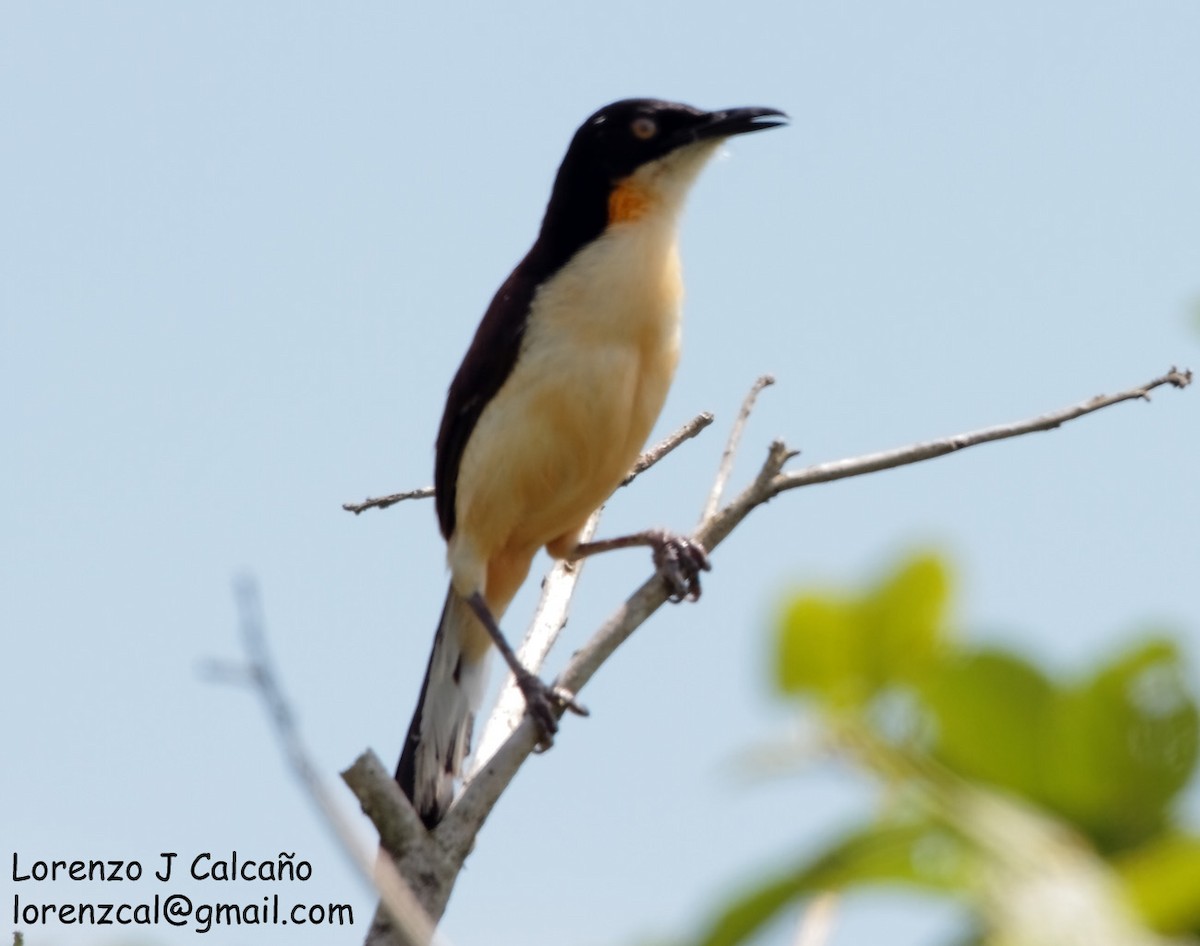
(624, 136)
(638, 156)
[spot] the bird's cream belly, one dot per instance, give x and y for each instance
(599, 353)
(582, 424)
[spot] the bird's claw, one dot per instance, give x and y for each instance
(545, 704)
(680, 561)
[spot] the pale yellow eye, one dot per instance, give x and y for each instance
(644, 127)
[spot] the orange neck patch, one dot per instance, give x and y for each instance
(627, 202)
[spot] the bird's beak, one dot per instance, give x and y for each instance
(734, 121)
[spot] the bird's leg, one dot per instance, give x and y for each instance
(678, 560)
(544, 703)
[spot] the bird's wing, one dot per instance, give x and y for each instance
(484, 369)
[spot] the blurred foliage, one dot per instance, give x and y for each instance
(1048, 806)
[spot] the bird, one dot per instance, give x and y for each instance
(552, 404)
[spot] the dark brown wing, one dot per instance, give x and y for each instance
(484, 369)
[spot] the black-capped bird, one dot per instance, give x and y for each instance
(552, 404)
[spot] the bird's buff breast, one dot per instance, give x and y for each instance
(597, 359)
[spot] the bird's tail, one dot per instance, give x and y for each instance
(439, 737)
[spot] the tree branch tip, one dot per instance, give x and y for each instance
(780, 453)
(725, 468)
(383, 802)
(366, 760)
(650, 457)
(1176, 377)
(1179, 378)
(383, 502)
(363, 773)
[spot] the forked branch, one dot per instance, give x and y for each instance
(454, 837)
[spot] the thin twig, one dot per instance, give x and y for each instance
(914, 453)
(382, 502)
(411, 921)
(667, 444)
(731, 445)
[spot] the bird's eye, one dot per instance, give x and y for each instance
(644, 127)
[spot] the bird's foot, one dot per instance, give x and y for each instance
(545, 704)
(680, 561)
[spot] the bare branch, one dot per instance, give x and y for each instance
(455, 835)
(661, 449)
(914, 453)
(382, 502)
(731, 445)
(411, 923)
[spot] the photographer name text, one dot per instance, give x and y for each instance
(174, 909)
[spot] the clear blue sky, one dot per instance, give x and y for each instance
(244, 246)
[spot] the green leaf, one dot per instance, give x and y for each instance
(992, 710)
(902, 620)
(1109, 754)
(1126, 745)
(844, 650)
(1163, 882)
(915, 853)
(819, 651)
